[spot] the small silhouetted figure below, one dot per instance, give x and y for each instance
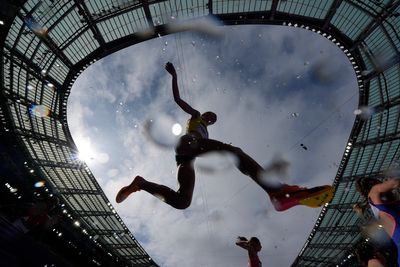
(253, 246)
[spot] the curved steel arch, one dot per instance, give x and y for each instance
(81, 32)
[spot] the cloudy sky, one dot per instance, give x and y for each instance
(273, 88)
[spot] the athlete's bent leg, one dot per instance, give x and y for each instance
(180, 199)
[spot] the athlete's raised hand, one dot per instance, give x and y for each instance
(170, 68)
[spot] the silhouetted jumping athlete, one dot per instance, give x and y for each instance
(196, 142)
(253, 246)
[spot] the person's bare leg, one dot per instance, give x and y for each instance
(246, 164)
(180, 199)
(282, 196)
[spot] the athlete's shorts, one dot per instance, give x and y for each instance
(183, 159)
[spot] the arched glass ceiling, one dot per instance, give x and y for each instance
(39, 70)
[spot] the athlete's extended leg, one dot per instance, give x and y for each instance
(180, 199)
(246, 164)
(282, 196)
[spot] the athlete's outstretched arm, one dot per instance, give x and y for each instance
(175, 90)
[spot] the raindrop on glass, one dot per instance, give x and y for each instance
(295, 114)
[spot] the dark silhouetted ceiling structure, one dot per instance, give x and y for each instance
(40, 70)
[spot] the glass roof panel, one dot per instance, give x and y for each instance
(315, 9)
(392, 76)
(350, 20)
(237, 6)
(164, 12)
(81, 47)
(14, 31)
(66, 29)
(375, 93)
(124, 24)
(104, 7)
(382, 50)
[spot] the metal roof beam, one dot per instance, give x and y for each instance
(91, 213)
(394, 60)
(121, 246)
(324, 246)
(210, 6)
(147, 12)
(53, 47)
(345, 228)
(73, 191)
(378, 174)
(315, 260)
(378, 140)
(273, 9)
(331, 13)
(385, 13)
(84, 12)
(50, 163)
(108, 231)
(39, 136)
(32, 66)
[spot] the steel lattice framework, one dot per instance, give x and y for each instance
(40, 70)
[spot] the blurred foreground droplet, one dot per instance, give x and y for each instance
(35, 27)
(276, 172)
(365, 112)
(39, 184)
(39, 110)
(162, 131)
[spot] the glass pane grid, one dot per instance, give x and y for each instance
(392, 76)
(27, 43)
(56, 177)
(167, 11)
(350, 20)
(13, 33)
(375, 98)
(81, 47)
(379, 44)
(240, 6)
(104, 7)
(315, 9)
(123, 25)
(47, 11)
(58, 71)
(65, 30)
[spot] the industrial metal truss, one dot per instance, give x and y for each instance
(40, 70)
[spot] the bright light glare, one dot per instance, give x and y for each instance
(176, 129)
(39, 184)
(86, 152)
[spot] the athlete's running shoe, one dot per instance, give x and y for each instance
(292, 195)
(125, 191)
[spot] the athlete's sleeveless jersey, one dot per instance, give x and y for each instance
(254, 262)
(197, 125)
(393, 209)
